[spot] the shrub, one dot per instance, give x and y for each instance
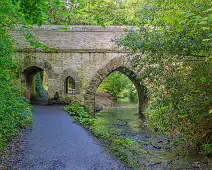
(185, 104)
(207, 148)
(15, 111)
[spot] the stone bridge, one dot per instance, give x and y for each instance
(79, 57)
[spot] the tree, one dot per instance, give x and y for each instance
(15, 112)
(114, 84)
(174, 40)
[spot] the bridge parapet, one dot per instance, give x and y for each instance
(72, 38)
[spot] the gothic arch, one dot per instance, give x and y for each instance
(117, 64)
(73, 74)
(45, 66)
(28, 78)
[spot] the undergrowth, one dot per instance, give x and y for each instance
(15, 111)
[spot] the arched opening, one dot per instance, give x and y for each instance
(102, 74)
(117, 102)
(116, 89)
(35, 80)
(70, 87)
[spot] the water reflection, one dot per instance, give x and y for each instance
(124, 118)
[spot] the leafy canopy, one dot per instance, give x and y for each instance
(174, 43)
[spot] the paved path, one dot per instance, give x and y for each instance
(56, 143)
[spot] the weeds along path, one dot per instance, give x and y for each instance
(56, 142)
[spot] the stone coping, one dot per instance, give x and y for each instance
(59, 50)
(81, 28)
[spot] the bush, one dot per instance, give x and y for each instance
(173, 54)
(133, 94)
(79, 113)
(119, 86)
(15, 111)
(185, 104)
(207, 148)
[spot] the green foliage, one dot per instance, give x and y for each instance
(33, 10)
(132, 94)
(39, 86)
(15, 112)
(126, 149)
(114, 84)
(79, 12)
(174, 41)
(95, 12)
(170, 28)
(119, 86)
(207, 148)
(79, 114)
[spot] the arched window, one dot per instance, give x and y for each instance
(69, 85)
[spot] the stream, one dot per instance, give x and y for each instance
(162, 152)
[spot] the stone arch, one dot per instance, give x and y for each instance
(28, 78)
(45, 65)
(28, 72)
(117, 64)
(73, 74)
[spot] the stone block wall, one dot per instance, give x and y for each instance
(86, 53)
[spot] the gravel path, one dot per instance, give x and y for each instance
(56, 143)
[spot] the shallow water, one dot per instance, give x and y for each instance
(162, 153)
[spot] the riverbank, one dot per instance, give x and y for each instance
(162, 151)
